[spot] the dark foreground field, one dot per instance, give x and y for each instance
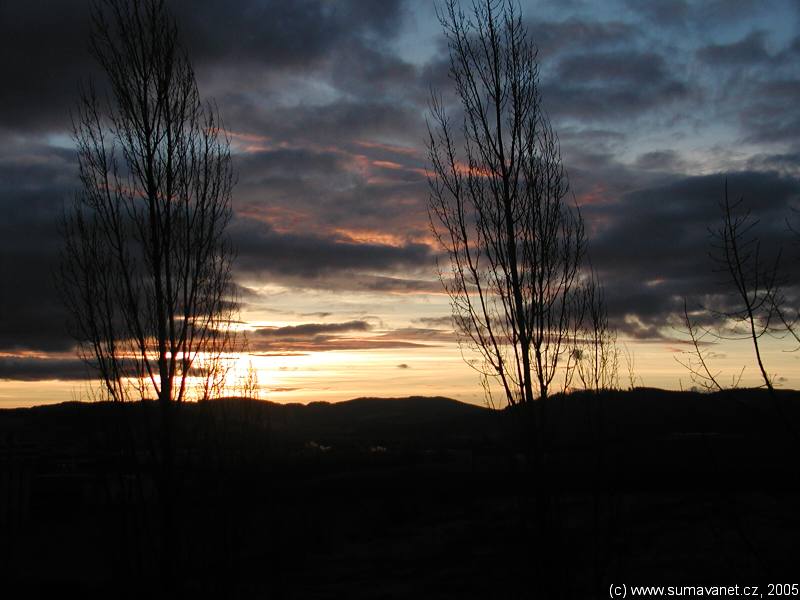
(404, 498)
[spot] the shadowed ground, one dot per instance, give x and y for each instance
(401, 498)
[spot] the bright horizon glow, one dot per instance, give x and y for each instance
(335, 376)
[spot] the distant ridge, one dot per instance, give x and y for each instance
(642, 413)
(647, 434)
(440, 401)
(363, 420)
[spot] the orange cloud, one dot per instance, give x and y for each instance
(387, 164)
(597, 195)
(403, 150)
(368, 236)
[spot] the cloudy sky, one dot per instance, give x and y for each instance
(655, 102)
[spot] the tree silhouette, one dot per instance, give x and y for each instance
(748, 310)
(500, 211)
(737, 253)
(146, 266)
(754, 306)
(597, 363)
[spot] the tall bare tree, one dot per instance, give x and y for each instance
(146, 269)
(499, 207)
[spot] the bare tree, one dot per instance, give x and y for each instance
(499, 208)
(146, 269)
(737, 253)
(598, 356)
(749, 311)
(249, 386)
(630, 366)
(756, 307)
(212, 367)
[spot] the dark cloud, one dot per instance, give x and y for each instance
(648, 275)
(784, 162)
(662, 12)
(264, 252)
(43, 56)
(553, 37)
(44, 45)
(349, 335)
(595, 86)
(32, 195)
(397, 285)
(794, 47)
(346, 187)
(294, 347)
(436, 322)
(660, 160)
(368, 72)
(770, 115)
(307, 337)
(727, 11)
(280, 34)
(325, 123)
(42, 369)
(645, 68)
(685, 13)
(749, 50)
(310, 329)
(421, 334)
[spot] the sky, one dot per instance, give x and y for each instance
(655, 103)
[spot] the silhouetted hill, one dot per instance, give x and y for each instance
(410, 409)
(640, 431)
(382, 420)
(402, 497)
(363, 419)
(643, 413)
